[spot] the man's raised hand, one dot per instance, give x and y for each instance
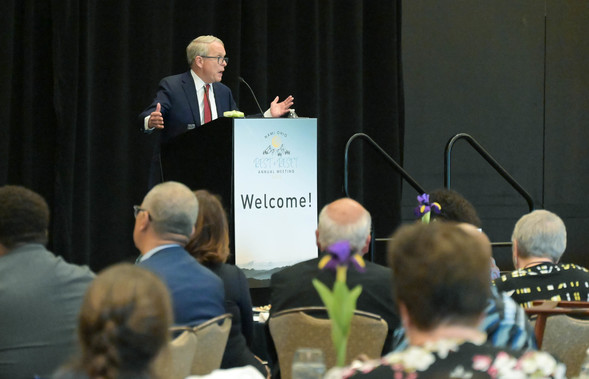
(156, 120)
(278, 109)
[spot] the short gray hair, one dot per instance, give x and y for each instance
(200, 47)
(355, 232)
(173, 208)
(540, 233)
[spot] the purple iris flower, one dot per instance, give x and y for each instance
(340, 254)
(423, 198)
(425, 207)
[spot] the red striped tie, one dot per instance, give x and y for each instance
(208, 114)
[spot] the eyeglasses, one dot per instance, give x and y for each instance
(137, 209)
(220, 60)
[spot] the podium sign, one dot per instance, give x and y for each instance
(275, 194)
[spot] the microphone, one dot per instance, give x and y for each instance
(253, 94)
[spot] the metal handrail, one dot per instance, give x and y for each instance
(500, 170)
(393, 163)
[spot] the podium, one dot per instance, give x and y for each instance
(265, 170)
(202, 159)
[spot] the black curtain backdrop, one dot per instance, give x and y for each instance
(76, 73)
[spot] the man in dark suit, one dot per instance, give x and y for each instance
(343, 219)
(186, 101)
(163, 224)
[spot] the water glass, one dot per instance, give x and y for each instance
(308, 363)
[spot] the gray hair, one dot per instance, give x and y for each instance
(540, 234)
(354, 232)
(200, 47)
(173, 208)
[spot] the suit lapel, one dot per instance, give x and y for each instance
(190, 92)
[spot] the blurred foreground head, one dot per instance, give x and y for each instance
(123, 322)
(440, 274)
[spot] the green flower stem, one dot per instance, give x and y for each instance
(425, 218)
(340, 303)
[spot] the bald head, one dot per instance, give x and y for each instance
(344, 220)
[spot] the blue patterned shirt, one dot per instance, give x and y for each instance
(505, 322)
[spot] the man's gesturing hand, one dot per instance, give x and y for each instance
(156, 120)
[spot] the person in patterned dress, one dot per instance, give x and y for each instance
(441, 281)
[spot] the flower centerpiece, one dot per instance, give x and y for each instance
(340, 301)
(425, 208)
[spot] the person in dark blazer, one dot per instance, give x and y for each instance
(191, 99)
(164, 223)
(343, 219)
(210, 246)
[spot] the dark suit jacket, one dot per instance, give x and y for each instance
(179, 107)
(238, 302)
(197, 293)
(293, 287)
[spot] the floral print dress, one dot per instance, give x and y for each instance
(456, 359)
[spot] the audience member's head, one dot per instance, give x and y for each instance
(210, 242)
(344, 219)
(440, 275)
(167, 215)
(24, 217)
(454, 207)
(479, 235)
(539, 234)
(123, 323)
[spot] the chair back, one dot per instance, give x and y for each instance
(567, 339)
(211, 339)
(176, 363)
(541, 309)
(295, 328)
(559, 333)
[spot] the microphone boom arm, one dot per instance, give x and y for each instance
(253, 94)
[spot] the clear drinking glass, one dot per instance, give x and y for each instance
(308, 363)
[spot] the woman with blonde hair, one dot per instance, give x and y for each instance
(210, 246)
(123, 325)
